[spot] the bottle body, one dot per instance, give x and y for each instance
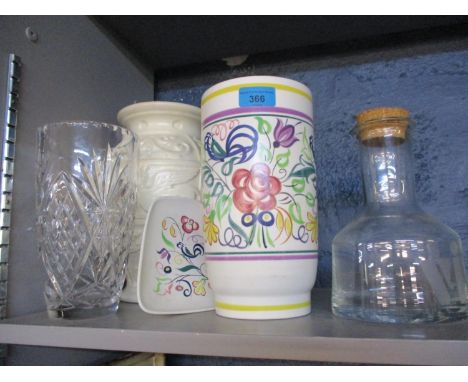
(405, 268)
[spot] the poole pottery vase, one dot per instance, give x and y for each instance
(259, 199)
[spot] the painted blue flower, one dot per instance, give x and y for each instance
(248, 219)
(241, 142)
(266, 218)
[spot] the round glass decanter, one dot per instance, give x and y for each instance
(394, 263)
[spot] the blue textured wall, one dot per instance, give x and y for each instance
(431, 81)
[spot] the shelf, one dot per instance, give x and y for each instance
(317, 337)
(165, 42)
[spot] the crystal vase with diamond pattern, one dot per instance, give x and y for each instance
(86, 192)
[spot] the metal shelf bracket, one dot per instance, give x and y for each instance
(6, 181)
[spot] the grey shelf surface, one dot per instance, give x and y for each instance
(317, 337)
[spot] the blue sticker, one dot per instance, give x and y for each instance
(257, 96)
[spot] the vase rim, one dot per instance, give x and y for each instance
(157, 107)
(83, 123)
(257, 81)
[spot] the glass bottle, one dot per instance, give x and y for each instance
(395, 263)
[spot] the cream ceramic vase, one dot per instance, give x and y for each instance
(259, 199)
(168, 135)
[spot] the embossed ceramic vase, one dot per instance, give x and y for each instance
(85, 204)
(168, 135)
(259, 199)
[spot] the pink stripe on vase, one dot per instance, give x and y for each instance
(261, 258)
(260, 109)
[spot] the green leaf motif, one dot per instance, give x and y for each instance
(306, 151)
(298, 185)
(238, 229)
(270, 242)
(212, 215)
(263, 126)
(218, 189)
(252, 234)
(228, 166)
(217, 149)
(296, 213)
(265, 153)
(259, 236)
(205, 200)
(187, 268)
(159, 282)
(282, 160)
(305, 172)
(207, 176)
(310, 199)
(167, 242)
(223, 206)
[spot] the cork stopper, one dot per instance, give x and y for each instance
(382, 122)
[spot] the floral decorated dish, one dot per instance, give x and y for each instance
(172, 276)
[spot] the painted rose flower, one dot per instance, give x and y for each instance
(188, 225)
(211, 231)
(255, 188)
(284, 135)
(311, 226)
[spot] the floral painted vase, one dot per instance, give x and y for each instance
(258, 194)
(168, 164)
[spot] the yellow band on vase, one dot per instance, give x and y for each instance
(262, 84)
(261, 308)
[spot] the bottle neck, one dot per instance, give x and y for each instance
(388, 176)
